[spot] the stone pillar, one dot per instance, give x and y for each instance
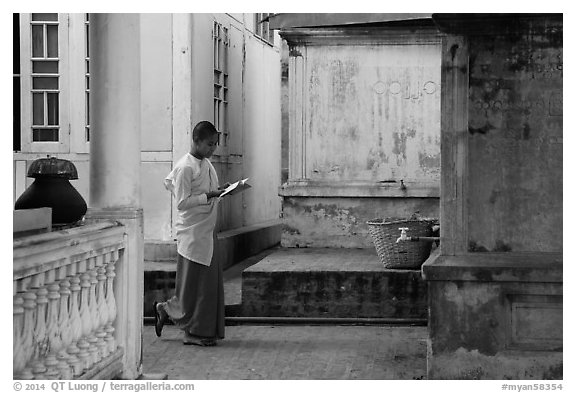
(115, 164)
(495, 300)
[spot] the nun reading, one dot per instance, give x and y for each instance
(197, 306)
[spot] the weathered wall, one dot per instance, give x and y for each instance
(372, 113)
(341, 222)
(495, 330)
(364, 116)
(495, 290)
(515, 125)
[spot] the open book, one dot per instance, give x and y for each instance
(237, 187)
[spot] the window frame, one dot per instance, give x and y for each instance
(262, 29)
(77, 84)
(221, 93)
(28, 145)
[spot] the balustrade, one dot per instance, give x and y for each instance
(64, 307)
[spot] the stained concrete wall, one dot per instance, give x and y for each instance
(495, 290)
(364, 119)
(496, 321)
(515, 125)
(372, 113)
(341, 222)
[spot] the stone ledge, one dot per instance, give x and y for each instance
(329, 282)
(488, 267)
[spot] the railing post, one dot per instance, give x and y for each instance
(66, 370)
(18, 360)
(75, 327)
(39, 342)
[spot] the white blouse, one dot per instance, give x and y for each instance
(189, 182)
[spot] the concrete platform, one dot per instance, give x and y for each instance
(330, 282)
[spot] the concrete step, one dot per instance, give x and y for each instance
(332, 283)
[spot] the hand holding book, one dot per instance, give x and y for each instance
(235, 188)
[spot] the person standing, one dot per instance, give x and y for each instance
(197, 306)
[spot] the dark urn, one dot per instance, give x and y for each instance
(52, 188)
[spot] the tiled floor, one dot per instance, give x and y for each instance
(292, 352)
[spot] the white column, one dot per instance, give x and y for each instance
(115, 165)
(115, 110)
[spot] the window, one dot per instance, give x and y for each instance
(87, 76)
(262, 27)
(54, 78)
(16, 83)
(45, 78)
(221, 43)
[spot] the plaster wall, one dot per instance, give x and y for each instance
(261, 145)
(364, 118)
(496, 290)
(341, 222)
(504, 330)
(250, 144)
(372, 113)
(515, 143)
(156, 122)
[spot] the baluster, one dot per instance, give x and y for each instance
(38, 368)
(27, 341)
(111, 303)
(83, 353)
(102, 311)
(64, 313)
(65, 331)
(64, 368)
(86, 321)
(40, 342)
(93, 311)
(18, 360)
(53, 335)
(51, 363)
(53, 340)
(75, 328)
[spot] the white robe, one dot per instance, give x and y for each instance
(189, 182)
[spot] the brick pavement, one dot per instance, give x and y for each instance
(292, 352)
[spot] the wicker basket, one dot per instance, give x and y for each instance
(405, 254)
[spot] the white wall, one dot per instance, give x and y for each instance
(262, 157)
(156, 123)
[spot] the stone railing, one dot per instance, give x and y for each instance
(65, 310)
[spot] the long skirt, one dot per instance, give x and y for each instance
(197, 306)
